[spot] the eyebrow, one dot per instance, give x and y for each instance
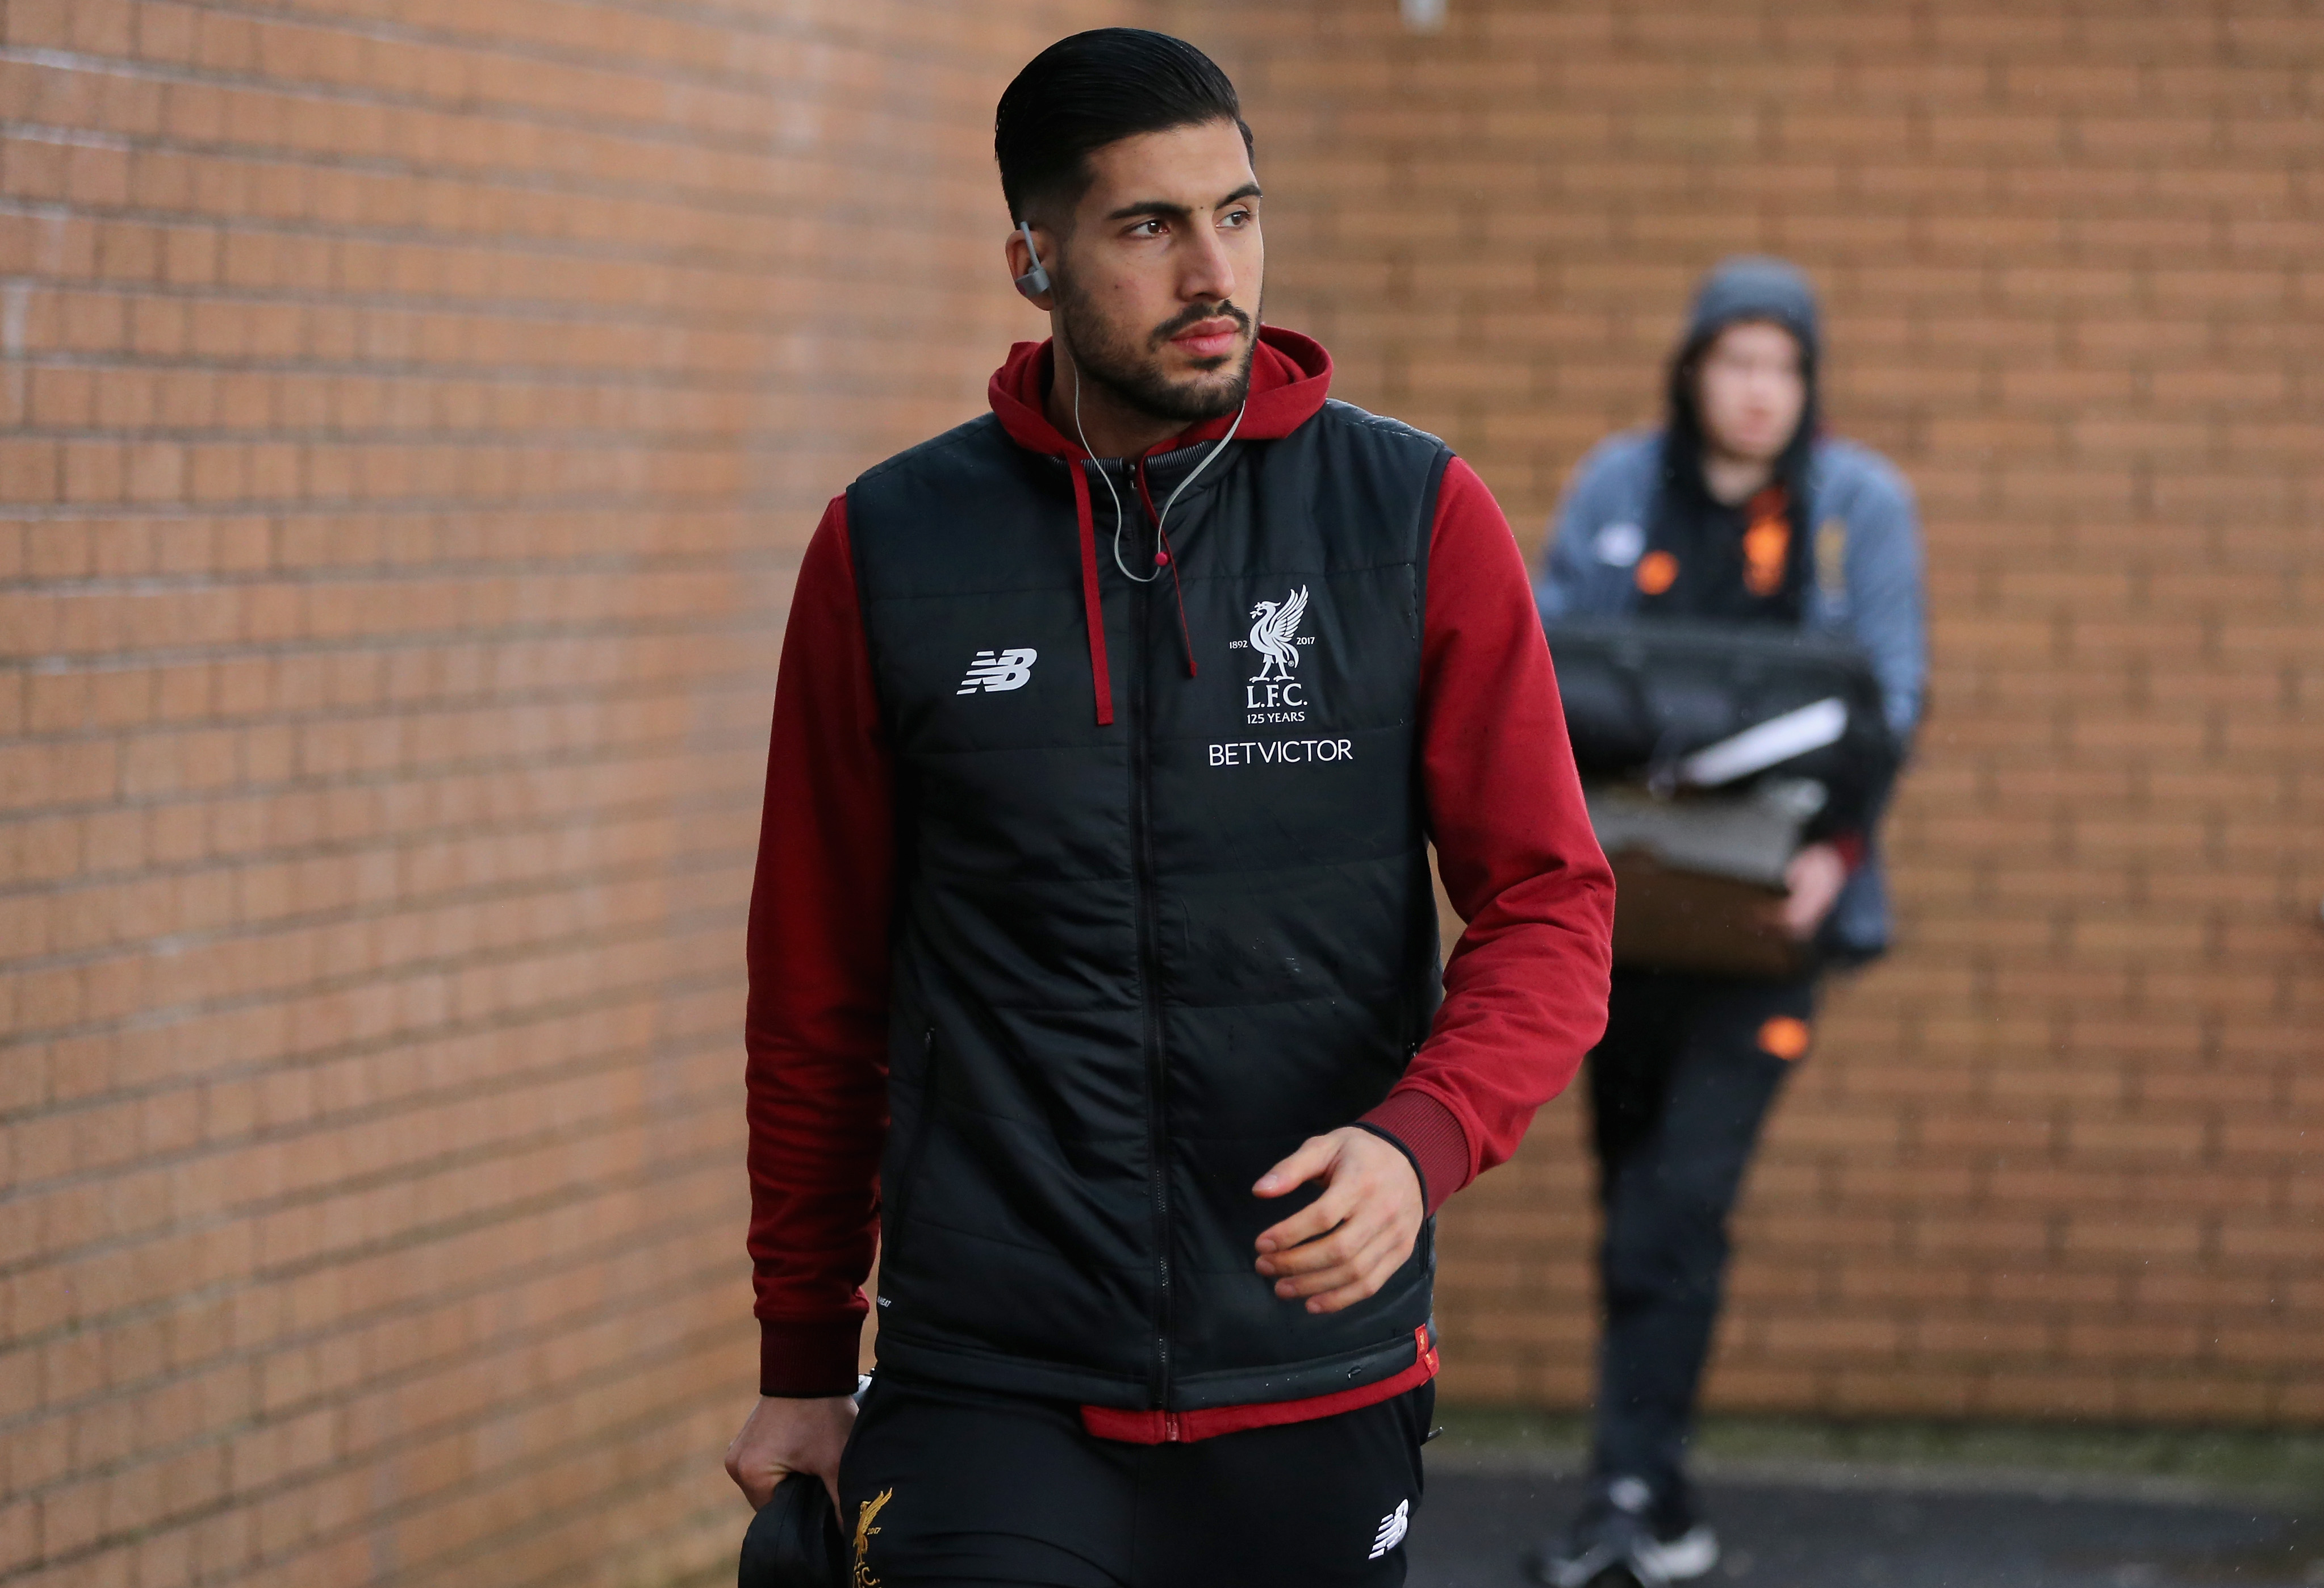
(1179, 211)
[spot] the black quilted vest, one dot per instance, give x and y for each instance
(1135, 965)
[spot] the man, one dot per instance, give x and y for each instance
(1737, 510)
(1092, 951)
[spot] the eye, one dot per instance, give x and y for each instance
(1147, 228)
(1236, 217)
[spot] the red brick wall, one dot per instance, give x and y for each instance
(2057, 1157)
(410, 416)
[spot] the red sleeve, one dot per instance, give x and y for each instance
(1524, 989)
(816, 1027)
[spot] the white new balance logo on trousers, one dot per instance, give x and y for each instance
(1392, 1528)
(993, 674)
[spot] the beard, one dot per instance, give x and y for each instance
(1131, 367)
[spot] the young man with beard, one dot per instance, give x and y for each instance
(1093, 960)
(1738, 510)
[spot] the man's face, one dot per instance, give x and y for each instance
(1160, 289)
(1750, 391)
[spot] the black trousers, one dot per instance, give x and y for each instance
(1678, 1090)
(961, 1487)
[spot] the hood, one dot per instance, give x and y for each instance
(1746, 287)
(1753, 287)
(1290, 376)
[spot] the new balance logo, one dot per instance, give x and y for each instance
(1010, 669)
(1392, 1528)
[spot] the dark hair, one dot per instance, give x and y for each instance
(1095, 89)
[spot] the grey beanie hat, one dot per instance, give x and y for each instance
(1755, 287)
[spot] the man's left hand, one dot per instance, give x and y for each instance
(1342, 1247)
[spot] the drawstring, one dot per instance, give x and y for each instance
(1092, 609)
(1169, 559)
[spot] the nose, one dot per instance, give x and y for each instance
(1207, 275)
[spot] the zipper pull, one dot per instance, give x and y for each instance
(1171, 1434)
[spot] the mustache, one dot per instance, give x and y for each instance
(1195, 314)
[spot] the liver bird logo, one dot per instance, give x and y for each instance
(865, 1512)
(1275, 635)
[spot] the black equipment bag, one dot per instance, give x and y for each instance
(1681, 731)
(1641, 695)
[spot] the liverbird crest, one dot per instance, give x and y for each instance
(1275, 635)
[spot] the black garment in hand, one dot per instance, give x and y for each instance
(793, 1540)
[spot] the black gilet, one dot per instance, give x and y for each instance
(1137, 964)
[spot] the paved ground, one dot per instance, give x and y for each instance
(1840, 1529)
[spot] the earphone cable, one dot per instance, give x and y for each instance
(1164, 516)
(1108, 481)
(1208, 458)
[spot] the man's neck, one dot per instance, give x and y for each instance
(1731, 480)
(1113, 428)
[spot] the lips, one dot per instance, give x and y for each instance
(1209, 338)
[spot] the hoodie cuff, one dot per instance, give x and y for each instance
(809, 1360)
(1429, 1135)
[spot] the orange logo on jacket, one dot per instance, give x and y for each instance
(1784, 1037)
(1767, 542)
(1657, 572)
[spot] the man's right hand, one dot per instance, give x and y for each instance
(1813, 883)
(785, 1435)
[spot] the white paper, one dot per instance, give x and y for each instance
(1769, 744)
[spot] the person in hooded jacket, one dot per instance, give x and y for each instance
(1740, 509)
(1093, 965)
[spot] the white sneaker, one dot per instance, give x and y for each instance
(1616, 1541)
(1682, 1559)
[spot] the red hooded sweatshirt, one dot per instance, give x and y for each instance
(1524, 987)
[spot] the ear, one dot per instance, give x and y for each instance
(1027, 267)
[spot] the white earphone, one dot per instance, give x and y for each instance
(1034, 281)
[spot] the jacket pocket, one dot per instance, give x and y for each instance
(908, 1153)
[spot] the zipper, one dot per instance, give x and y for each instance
(1156, 1063)
(1173, 1432)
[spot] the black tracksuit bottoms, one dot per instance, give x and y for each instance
(1678, 1090)
(943, 1486)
